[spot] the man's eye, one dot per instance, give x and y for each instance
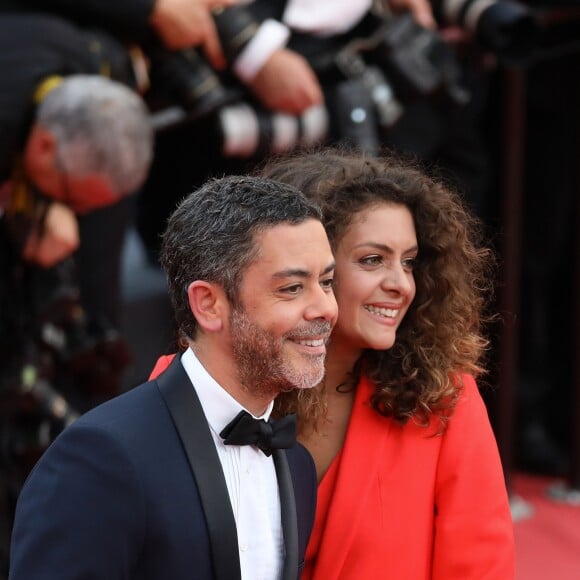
(327, 284)
(294, 289)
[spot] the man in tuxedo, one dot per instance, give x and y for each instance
(185, 476)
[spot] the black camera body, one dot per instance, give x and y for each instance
(419, 63)
(398, 61)
(185, 79)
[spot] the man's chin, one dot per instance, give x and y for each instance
(305, 380)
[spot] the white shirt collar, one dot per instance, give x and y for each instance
(218, 405)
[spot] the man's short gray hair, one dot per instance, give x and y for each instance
(212, 235)
(101, 127)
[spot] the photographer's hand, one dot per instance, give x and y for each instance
(53, 240)
(287, 83)
(185, 23)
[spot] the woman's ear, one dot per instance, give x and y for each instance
(208, 304)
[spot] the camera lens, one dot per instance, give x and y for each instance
(184, 78)
(507, 28)
(247, 131)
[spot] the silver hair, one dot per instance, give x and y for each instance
(102, 127)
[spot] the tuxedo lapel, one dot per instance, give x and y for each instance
(288, 513)
(362, 453)
(191, 424)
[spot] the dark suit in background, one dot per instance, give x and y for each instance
(128, 19)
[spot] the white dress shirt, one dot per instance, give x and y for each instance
(250, 478)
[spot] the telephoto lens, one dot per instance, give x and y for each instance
(247, 131)
(505, 27)
(185, 79)
(236, 26)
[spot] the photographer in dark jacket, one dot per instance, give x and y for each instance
(73, 145)
(174, 24)
(72, 154)
(177, 23)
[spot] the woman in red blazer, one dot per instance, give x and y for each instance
(410, 482)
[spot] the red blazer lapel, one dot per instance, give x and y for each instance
(363, 450)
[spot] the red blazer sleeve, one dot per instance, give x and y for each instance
(473, 526)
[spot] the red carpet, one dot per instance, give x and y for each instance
(548, 540)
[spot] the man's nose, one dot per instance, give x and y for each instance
(323, 306)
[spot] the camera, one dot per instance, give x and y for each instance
(246, 130)
(235, 26)
(418, 62)
(87, 356)
(184, 78)
(33, 413)
(505, 27)
(375, 75)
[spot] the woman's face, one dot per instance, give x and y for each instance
(374, 278)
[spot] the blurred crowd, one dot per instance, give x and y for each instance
(111, 111)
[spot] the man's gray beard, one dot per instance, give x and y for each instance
(262, 369)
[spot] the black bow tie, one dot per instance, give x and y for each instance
(245, 430)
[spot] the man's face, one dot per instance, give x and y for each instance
(81, 194)
(287, 310)
(44, 169)
(86, 193)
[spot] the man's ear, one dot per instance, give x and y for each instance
(40, 151)
(208, 304)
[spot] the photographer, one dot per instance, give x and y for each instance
(177, 23)
(74, 145)
(432, 128)
(84, 149)
(293, 32)
(269, 69)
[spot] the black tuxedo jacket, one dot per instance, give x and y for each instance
(116, 497)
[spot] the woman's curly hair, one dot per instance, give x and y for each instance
(441, 334)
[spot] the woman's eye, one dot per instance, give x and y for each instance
(374, 260)
(409, 264)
